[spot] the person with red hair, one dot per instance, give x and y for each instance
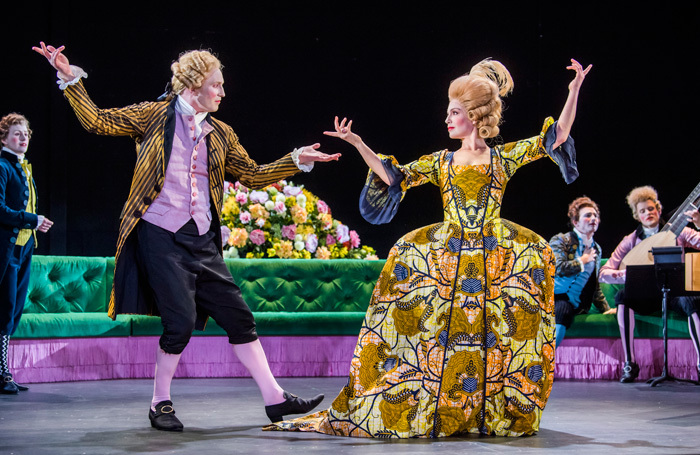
(18, 222)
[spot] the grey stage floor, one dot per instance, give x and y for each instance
(223, 416)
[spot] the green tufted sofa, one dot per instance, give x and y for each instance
(68, 298)
(308, 314)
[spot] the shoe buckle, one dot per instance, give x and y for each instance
(167, 409)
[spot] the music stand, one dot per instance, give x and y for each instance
(668, 261)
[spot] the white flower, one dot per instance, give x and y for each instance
(299, 246)
(301, 200)
(269, 205)
(280, 198)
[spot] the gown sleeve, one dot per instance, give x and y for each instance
(379, 202)
(516, 154)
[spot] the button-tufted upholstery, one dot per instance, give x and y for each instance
(68, 298)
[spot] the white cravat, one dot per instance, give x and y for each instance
(648, 232)
(183, 107)
(40, 218)
(19, 157)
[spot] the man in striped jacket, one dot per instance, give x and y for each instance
(169, 252)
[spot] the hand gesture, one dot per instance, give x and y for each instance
(310, 154)
(588, 255)
(45, 225)
(344, 131)
(56, 58)
(575, 85)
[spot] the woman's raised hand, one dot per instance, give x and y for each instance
(343, 130)
(580, 74)
(56, 58)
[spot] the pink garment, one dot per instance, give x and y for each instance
(687, 238)
(185, 191)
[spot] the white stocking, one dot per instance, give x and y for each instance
(165, 370)
(252, 356)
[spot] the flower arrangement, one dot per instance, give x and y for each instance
(286, 221)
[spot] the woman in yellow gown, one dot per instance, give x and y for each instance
(459, 333)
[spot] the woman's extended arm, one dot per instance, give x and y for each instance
(343, 131)
(568, 113)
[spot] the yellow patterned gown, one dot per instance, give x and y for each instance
(459, 333)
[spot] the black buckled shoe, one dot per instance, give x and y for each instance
(20, 387)
(292, 404)
(164, 417)
(629, 372)
(8, 386)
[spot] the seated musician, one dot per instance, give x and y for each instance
(646, 208)
(577, 258)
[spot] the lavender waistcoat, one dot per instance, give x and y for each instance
(185, 193)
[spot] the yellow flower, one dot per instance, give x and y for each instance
(326, 220)
(238, 237)
(298, 214)
(249, 255)
(230, 207)
(305, 229)
(271, 252)
(285, 249)
(323, 253)
(258, 211)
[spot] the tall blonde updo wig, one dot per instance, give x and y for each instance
(643, 194)
(191, 68)
(480, 91)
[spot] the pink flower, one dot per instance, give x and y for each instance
(289, 231)
(291, 190)
(311, 243)
(280, 207)
(330, 240)
(341, 232)
(322, 207)
(354, 239)
(241, 197)
(245, 217)
(259, 197)
(257, 237)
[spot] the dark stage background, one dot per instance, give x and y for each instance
(290, 69)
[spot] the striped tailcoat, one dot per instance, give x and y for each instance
(152, 126)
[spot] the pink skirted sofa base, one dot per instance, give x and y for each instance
(85, 359)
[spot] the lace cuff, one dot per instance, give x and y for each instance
(303, 167)
(77, 71)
